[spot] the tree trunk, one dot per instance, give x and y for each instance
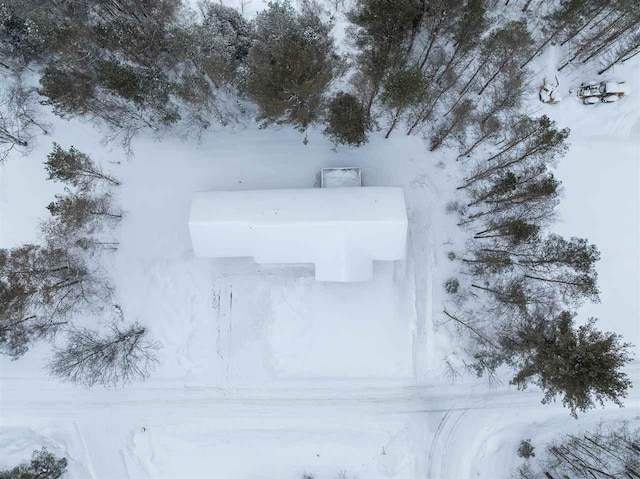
(103, 213)
(494, 76)
(544, 44)
(629, 57)
(556, 281)
(423, 116)
(4, 134)
(471, 328)
(475, 145)
(432, 40)
(588, 44)
(465, 88)
(515, 143)
(607, 42)
(393, 123)
(598, 12)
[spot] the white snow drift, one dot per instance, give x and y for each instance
(339, 230)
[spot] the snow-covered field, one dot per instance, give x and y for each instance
(266, 373)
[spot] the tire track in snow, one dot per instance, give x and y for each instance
(230, 331)
(447, 427)
(222, 305)
(216, 308)
(85, 450)
(163, 400)
(254, 402)
(435, 441)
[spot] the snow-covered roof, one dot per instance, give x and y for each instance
(340, 230)
(617, 87)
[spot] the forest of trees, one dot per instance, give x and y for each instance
(444, 69)
(452, 71)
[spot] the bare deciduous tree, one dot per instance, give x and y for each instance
(19, 120)
(120, 357)
(40, 289)
(82, 212)
(610, 451)
(530, 142)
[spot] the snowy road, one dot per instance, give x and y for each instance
(371, 429)
(159, 400)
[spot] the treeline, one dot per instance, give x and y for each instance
(45, 288)
(149, 65)
(131, 64)
(522, 284)
(453, 73)
(451, 70)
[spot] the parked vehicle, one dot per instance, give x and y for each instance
(592, 92)
(613, 91)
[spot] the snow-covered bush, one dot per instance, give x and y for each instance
(452, 285)
(525, 449)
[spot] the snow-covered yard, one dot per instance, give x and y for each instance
(230, 323)
(265, 372)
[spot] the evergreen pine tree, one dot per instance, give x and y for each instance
(401, 89)
(75, 168)
(43, 465)
(291, 62)
(346, 120)
(581, 365)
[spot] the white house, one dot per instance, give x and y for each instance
(340, 230)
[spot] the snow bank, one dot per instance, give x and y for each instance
(340, 230)
(332, 446)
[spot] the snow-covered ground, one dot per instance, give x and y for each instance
(266, 373)
(601, 180)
